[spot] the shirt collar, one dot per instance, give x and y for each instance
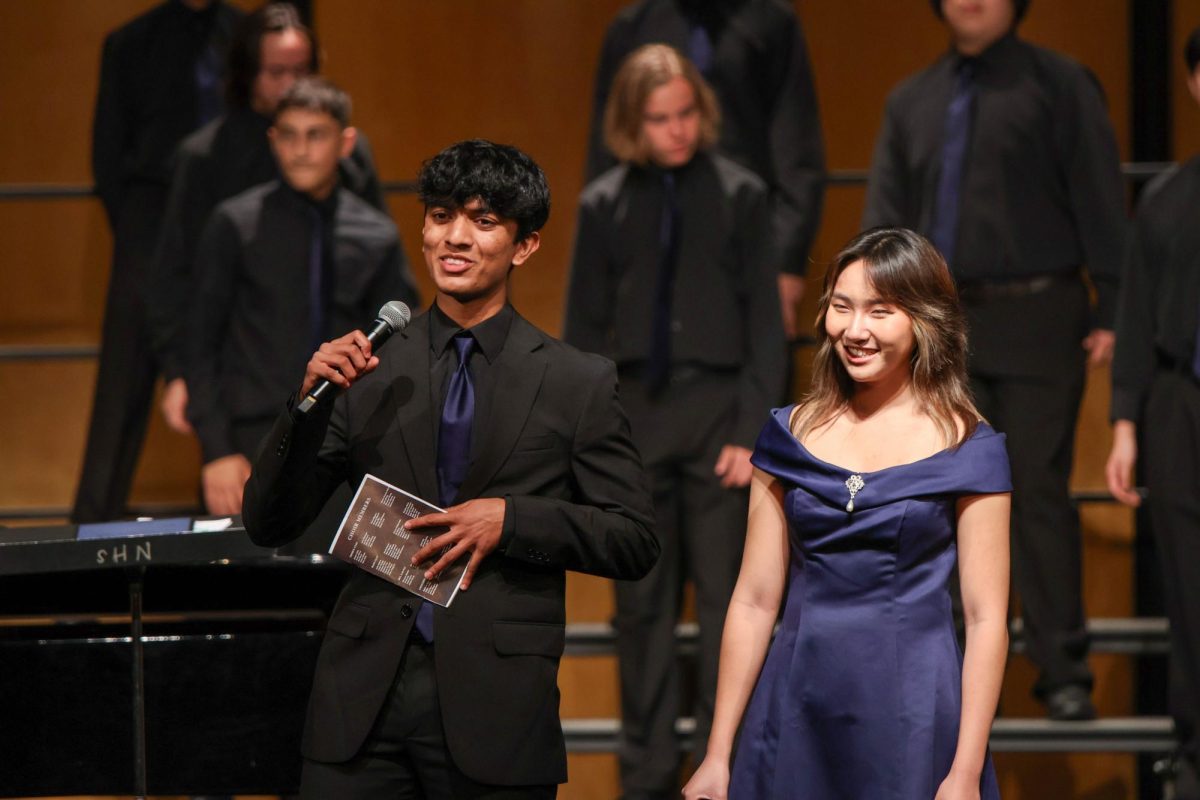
(490, 334)
(997, 54)
(203, 15)
(657, 173)
(327, 207)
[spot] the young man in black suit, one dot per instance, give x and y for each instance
(281, 268)
(523, 440)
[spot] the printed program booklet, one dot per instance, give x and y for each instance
(372, 537)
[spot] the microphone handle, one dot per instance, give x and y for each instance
(376, 336)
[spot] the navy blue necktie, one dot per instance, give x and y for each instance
(700, 48)
(458, 416)
(956, 138)
(658, 369)
(207, 74)
(1196, 355)
(316, 282)
(454, 445)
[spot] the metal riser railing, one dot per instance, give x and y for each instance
(1137, 636)
(1110, 735)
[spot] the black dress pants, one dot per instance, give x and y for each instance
(127, 369)
(405, 757)
(1027, 374)
(702, 530)
(1171, 440)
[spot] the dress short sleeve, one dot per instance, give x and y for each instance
(982, 463)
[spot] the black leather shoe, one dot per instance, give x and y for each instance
(1072, 702)
(1187, 782)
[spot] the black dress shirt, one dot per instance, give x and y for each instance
(147, 99)
(1041, 192)
(225, 157)
(490, 336)
(249, 333)
(1159, 309)
(762, 78)
(725, 305)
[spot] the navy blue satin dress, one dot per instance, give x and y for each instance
(860, 694)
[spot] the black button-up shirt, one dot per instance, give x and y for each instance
(490, 336)
(1042, 190)
(1159, 309)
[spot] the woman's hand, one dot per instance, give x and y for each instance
(710, 781)
(958, 787)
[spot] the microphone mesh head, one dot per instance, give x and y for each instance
(395, 314)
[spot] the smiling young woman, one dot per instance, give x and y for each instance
(864, 497)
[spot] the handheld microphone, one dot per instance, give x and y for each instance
(393, 317)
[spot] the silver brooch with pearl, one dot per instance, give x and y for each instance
(855, 484)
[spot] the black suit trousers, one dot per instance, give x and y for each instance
(1027, 373)
(405, 756)
(127, 369)
(702, 530)
(1171, 444)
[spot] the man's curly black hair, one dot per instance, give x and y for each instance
(507, 181)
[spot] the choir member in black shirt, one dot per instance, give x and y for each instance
(753, 54)
(159, 81)
(280, 269)
(673, 277)
(1001, 152)
(271, 50)
(1156, 393)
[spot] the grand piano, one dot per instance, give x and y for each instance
(208, 699)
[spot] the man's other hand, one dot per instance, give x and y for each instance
(734, 467)
(174, 406)
(223, 480)
(1099, 345)
(791, 292)
(475, 528)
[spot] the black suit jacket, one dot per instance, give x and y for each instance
(725, 304)
(558, 449)
(224, 158)
(147, 100)
(763, 80)
(249, 338)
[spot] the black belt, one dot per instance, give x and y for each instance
(1180, 366)
(1018, 287)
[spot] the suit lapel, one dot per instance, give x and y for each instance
(519, 372)
(410, 364)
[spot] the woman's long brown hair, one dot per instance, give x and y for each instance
(908, 272)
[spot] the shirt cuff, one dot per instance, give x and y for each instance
(509, 529)
(1125, 405)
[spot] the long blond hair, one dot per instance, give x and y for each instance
(907, 271)
(643, 71)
